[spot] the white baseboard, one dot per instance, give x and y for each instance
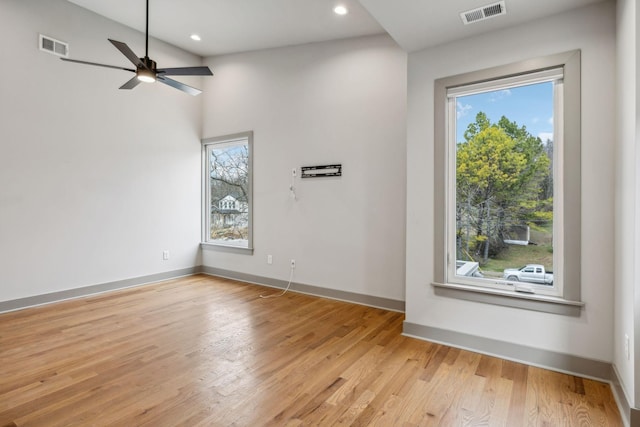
(362, 299)
(20, 303)
(566, 363)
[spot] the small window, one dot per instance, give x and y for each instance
(507, 148)
(227, 198)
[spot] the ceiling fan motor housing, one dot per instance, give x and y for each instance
(149, 63)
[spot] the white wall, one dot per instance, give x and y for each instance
(334, 102)
(627, 196)
(591, 29)
(96, 182)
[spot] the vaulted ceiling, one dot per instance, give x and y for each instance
(227, 26)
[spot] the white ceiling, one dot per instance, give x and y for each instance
(417, 24)
(238, 25)
(228, 26)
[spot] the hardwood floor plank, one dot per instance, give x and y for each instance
(207, 351)
(517, 373)
(445, 390)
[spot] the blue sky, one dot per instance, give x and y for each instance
(531, 106)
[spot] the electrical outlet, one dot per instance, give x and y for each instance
(269, 259)
(627, 350)
(165, 255)
(293, 264)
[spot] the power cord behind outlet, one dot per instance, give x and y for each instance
(286, 289)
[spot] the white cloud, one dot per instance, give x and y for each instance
(498, 95)
(462, 110)
(551, 120)
(535, 120)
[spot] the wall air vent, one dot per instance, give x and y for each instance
(51, 45)
(484, 12)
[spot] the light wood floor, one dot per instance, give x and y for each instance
(202, 351)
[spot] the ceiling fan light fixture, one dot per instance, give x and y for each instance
(146, 76)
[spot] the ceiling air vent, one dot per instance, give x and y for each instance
(484, 12)
(51, 45)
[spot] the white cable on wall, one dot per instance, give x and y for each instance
(292, 187)
(292, 190)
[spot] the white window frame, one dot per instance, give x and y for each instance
(564, 297)
(556, 76)
(221, 142)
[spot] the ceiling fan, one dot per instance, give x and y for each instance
(146, 69)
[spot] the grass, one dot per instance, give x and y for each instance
(516, 256)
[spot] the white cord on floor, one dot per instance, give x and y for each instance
(283, 292)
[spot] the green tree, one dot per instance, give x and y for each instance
(500, 169)
(482, 122)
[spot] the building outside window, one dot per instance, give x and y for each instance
(227, 197)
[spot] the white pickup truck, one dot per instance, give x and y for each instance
(530, 273)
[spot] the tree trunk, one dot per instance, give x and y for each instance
(485, 257)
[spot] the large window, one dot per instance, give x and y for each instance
(508, 180)
(227, 188)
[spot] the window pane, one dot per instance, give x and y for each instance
(229, 193)
(504, 184)
(455, 272)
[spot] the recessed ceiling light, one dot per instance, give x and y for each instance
(195, 37)
(340, 10)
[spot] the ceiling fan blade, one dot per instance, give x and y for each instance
(131, 83)
(186, 71)
(181, 86)
(98, 65)
(126, 51)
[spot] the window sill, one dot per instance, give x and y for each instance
(514, 299)
(226, 248)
